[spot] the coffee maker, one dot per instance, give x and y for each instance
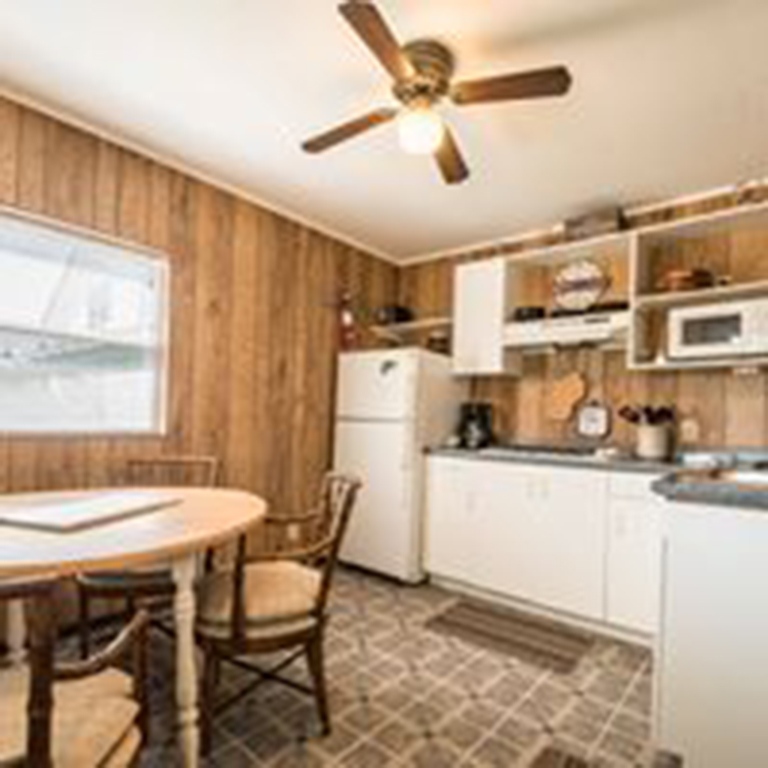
(476, 426)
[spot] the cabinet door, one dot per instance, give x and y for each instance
(634, 563)
(569, 508)
(503, 534)
(538, 534)
(476, 525)
(478, 314)
(448, 519)
(381, 533)
(532, 533)
(712, 664)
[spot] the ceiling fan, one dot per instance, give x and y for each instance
(422, 72)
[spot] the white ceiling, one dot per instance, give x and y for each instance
(670, 97)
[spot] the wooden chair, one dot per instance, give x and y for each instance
(87, 714)
(276, 601)
(151, 583)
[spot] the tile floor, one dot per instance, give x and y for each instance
(405, 697)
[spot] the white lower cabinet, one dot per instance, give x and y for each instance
(564, 538)
(712, 670)
(449, 520)
(569, 506)
(633, 584)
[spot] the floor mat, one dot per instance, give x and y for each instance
(554, 758)
(547, 643)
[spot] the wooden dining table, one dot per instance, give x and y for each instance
(176, 535)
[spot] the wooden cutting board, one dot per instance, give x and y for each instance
(564, 395)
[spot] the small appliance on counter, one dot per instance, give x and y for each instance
(528, 314)
(392, 314)
(655, 426)
(476, 426)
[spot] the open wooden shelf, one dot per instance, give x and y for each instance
(694, 365)
(703, 295)
(396, 331)
(732, 244)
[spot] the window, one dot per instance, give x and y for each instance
(82, 333)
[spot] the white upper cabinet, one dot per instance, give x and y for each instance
(479, 311)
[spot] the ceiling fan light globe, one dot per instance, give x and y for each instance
(421, 130)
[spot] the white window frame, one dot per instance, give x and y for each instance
(131, 250)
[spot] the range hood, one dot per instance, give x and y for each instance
(567, 331)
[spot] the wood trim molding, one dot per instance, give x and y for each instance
(116, 137)
(522, 239)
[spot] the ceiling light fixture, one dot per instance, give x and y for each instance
(422, 73)
(421, 130)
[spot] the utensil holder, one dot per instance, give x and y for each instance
(654, 442)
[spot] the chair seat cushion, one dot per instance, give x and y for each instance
(91, 717)
(277, 596)
(124, 755)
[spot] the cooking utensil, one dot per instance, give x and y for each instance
(527, 314)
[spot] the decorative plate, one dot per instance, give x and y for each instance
(579, 285)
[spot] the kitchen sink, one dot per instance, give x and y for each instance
(746, 476)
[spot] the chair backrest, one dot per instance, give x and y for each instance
(338, 495)
(38, 595)
(334, 509)
(197, 471)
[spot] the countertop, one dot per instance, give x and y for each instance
(674, 482)
(558, 460)
(701, 488)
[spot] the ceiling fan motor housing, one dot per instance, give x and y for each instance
(434, 65)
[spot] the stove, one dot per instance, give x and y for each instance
(541, 449)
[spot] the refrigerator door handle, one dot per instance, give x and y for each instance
(388, 366)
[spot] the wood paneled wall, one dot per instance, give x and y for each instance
(730, 410)
(254, 335)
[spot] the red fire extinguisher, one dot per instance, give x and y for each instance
(348, 330)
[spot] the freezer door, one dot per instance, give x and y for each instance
(384, 531)
(377, 385)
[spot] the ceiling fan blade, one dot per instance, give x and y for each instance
(348, 130)
(370, 25)
(451, 162)
(539, 83)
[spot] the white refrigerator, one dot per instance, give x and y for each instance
(391, 405)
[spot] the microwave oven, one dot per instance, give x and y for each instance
(730, 329)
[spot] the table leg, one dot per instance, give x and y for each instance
(16, 631)
(184, 571)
